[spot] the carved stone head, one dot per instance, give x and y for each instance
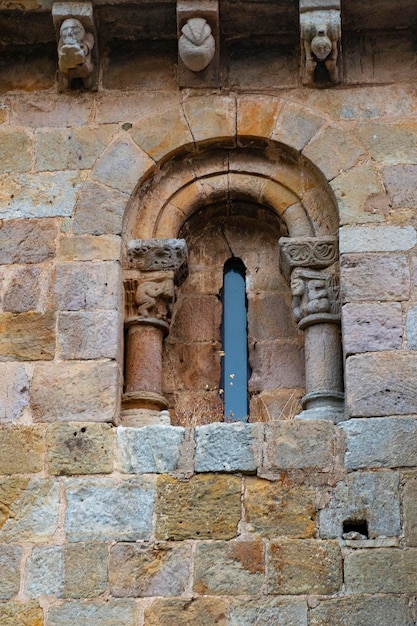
(72, 31)
(321, 46)
(196, 45)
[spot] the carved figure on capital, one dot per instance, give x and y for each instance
(314, 293)
(154, 297)
(321, 35)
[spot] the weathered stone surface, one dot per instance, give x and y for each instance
(270, 317)
(380, 442)
(88, 286)
(29, 509)
(305, 566)
(71, 149)
(14, 391)
(364, 497)
(411, 328)
(383, 570)
(354, 190)
(79, 448)
(27, 241)
(172, 131)
(390, 144)
(197, 316)
(15, 150)
(399, 181)
(27, 290)
(296, 126)
(194, 612)
(269, 612)
(89, 248)
(48, 194)
(296, 445)
(21, 449)
(178, 375)
(363, 610)
(122, 166)
(381, 384)
(256, 114)
(376, 239)
(160, 569)
(96, 613)
(367, 277)
(105, 510)
(205, 507)
(75, 392)
(333, 151)
(27, 336)
(410, 510)
(228, 447)
(151, 449)
(279, 508)
(69, 571)
(88, 334)
(210, 117)
(10, 571)
(229, 568)
(99, 210)
(273, 367)
(22, 613)
(52, 110)
(372, 327)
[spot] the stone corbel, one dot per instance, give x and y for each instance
(76, 34)
(198, 43)
(154, 267)
(310, 265)
(321, 52)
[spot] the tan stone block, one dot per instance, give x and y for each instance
(122, 107)
(383, 570)
(191, 366)
(159, 139)
(375, 277)
(10, 558)
(270, 317)
(410, 510)
(256, 115)
(27, 336)
(99, 210)
(15, 150)
(229, 568)
(296, 126)
(359, 193)
(390, 143)
(304, 566)
(89, 335)
(75, 392)
(205, 507)
(248, 185)
(73, 148)
(27, 289)
(27, 241)
(79, 448)
(21, 449)
(210, 117)
(89, 248)
(276, 364)
(142, 570)
(88, 285)
(52, 109)
(197, 318)
(195, 612)
(399, 181)
(85, 570)
(279, 508)
(14, 391)
(21, 613)
(122, 165)
(333, 151)
(278, 196)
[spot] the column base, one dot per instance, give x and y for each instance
(323, 405)
(138, 418)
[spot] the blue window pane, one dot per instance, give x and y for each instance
(235, 344)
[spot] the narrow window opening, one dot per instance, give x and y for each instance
(235, 365)
(355, 527)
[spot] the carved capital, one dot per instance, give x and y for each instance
(77, 45)
(148, 255)
(149, 297)
(315, 296)
(198, 43)
(321, 32)
(312, 252)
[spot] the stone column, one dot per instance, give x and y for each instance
(154, 265)
(311, 265)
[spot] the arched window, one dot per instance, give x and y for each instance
(235, 366)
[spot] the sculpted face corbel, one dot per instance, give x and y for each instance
(321, 43)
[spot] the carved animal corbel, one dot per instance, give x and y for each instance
(321, 34)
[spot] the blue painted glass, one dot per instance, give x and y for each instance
(235, 343)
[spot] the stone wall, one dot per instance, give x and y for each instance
(275, 521)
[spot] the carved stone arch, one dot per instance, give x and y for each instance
(262, 173)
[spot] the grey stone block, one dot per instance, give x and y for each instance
(376, 238)
(381, 277)
(10, 571)
(372, 327)
(373, 497)
(381, 384)
(410, 511)
(384, 570)
(269, 612)
(104, 613)
(228, 447)
(151, 449)
(107, 510)
(45, 572)
(363, 611)
(380, 442)
(411, 328)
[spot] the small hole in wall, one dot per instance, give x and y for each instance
(352, 528)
